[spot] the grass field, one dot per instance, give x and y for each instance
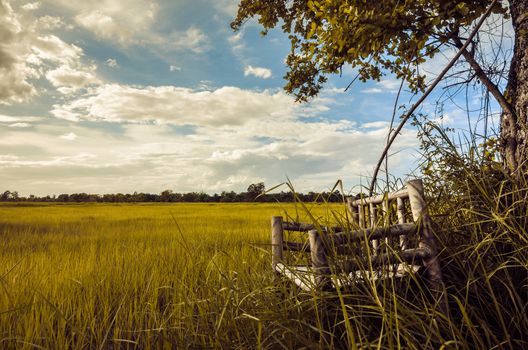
(102, 276)
(133, 275)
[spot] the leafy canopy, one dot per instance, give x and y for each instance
(372, 36)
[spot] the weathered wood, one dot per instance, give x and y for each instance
(386, 217)
(304, 277)
(338, 243)
(400, 209)
(379, 198)
(300, 275)
(373, 233)
(361, 215)
(277, 239)
(345, 238)
(305, 227)
(427, 241)
(319, 260)
(411, 256)
(373, 218)
(353, 210)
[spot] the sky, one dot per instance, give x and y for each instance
(135, 95)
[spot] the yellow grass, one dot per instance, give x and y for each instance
(135, 275)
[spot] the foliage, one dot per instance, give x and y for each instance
(255, 193)
(372, 36)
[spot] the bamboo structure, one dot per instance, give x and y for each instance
(326, 241)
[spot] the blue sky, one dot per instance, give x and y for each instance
(134, 95)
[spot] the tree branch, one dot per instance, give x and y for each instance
(492, 88)
(409, 113)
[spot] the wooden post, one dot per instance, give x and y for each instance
(427, 240)
(386, 217)
(400, 206)
(353, 211)
(319, 260)
(373, 217)
(361, 216)
(277, 241)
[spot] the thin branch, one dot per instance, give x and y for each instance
(409, 113)
(484, 78)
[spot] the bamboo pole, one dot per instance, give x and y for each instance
(277, 241)
(373, 217)
(400, 209)
(319, 260)
(353, 211)
(427, 240)
(344, 238)
(381, 197)
(386, 217)
(361, 216)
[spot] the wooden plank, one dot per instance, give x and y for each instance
(361, 216)
(319, 260)
(304, 277)
(277, 239)
(415, 255)
(353, 210)
(379, 198)
(400, 209)
(373, 218)
(305, 227)
(373, 233)
(300, 275)
(427, 240)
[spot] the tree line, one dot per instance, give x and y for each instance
(254, 193)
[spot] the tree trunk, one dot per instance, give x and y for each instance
(514, 127)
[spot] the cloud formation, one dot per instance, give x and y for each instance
(193, 39)
(176, 105)
(258, 72)
(126, 21)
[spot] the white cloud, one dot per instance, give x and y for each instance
(258, 72)
(15, 73)
(192, 39)
(13, 119)
(372, 91)
(29, 52)
(54, 49)
(31, 6)
(19, 125)
(68, 79)
(111, 62)
(176, 105)
(69, 136)
(104, 26)
(151, 158)
(52, 22)
(386, 85)
(173, 68)
(125, 21)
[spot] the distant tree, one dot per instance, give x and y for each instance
(63, 197)
(254, 190)
(6, 196)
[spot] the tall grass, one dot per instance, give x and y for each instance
(198, 276)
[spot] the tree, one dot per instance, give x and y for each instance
(394, 36)
(254, 190)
